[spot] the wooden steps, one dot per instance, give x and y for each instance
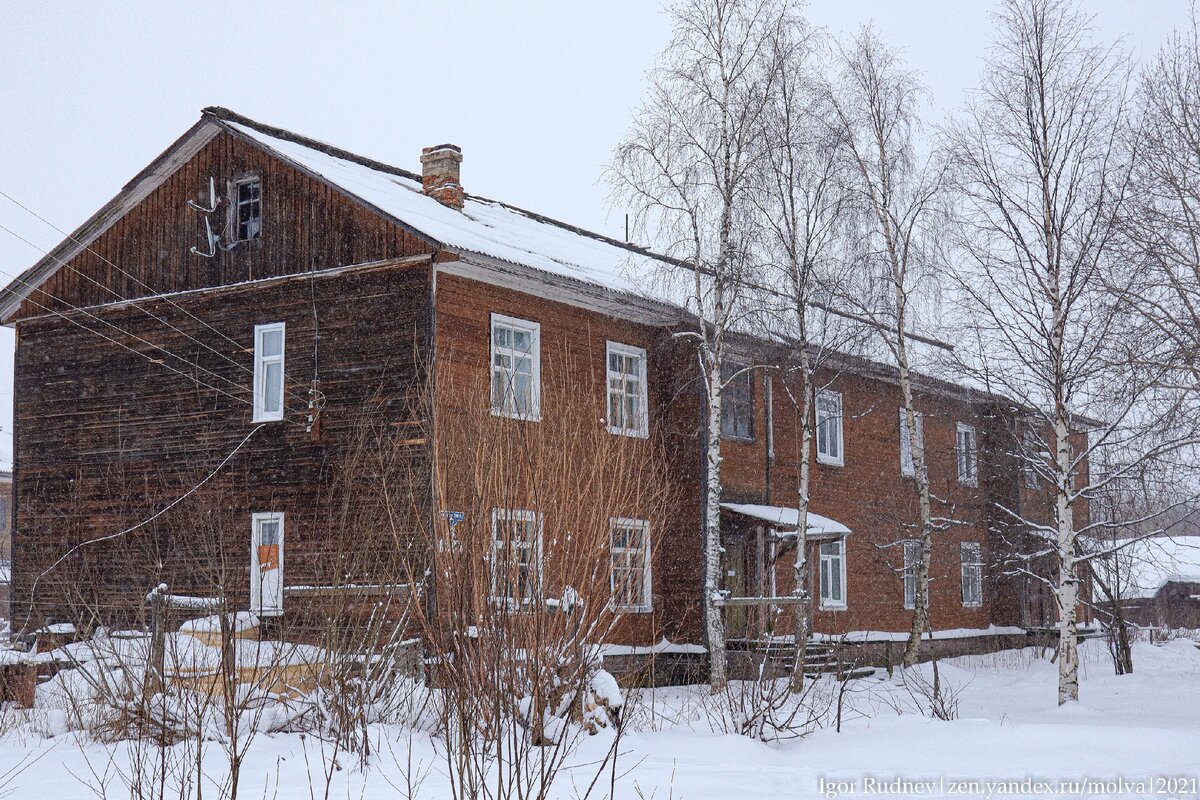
(819, 658)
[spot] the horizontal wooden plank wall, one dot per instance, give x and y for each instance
(106, 437)
(306, 225)
(574, 380)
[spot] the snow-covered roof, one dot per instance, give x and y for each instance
(484, 227)
(1141, 568)
(785, 517)
(621, 277)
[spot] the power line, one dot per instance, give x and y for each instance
(132, 528)
(141, 283)
(127, 333)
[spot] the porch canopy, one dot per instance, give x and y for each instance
(785, 520)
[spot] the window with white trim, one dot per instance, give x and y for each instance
(1031, 455)
(971, 556)
(832, 570)
(268, 372)
(907, 466)
(515, 560)
(829, 427)
(912, 561)
(247, 209)
(516, 368)
(737, 402)
(630, 556)
(968, 454)
(627, 413)
(266, 564)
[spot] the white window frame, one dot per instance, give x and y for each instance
(834, 423)
(505, 406)
(827, 603)
(908, 466)
(235, 207)
(647, 604)
(261, 413)
(641, 426)
(256, 521)
(967, 455)
(970, 555)
(911, 549)
(535, 560)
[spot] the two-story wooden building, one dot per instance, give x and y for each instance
(228, 325)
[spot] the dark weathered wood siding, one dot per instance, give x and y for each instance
(306, 226)
(122, 408)
(107, 437)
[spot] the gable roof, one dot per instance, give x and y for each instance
(496, 237)
(485, 228)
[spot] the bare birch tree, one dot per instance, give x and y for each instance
(875, 103)
(686, 167)
(1161, 222)
(803, 204)
(1040, 176)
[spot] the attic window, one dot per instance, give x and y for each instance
(247, 209)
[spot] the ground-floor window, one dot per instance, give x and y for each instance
(516, 556)
(833, 574)
(971, 554)
(630, 554)
(266, 564)
(912, 560)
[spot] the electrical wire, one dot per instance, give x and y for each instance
(133, 301)
(132, 528)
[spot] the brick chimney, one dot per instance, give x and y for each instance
(439, 174)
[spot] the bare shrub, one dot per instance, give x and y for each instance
(522, 582)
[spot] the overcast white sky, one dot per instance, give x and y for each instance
(536, 93)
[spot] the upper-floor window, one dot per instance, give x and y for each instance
(1030, 457)
(516, 368)
(832, 569)
(829, 427)
(630, 554)
(627, 390)
(912, 560)
(515, 560)
(968, 455)
(971, 556)
(737, 402)
(907, 465)
(247, 209)
(268, 372)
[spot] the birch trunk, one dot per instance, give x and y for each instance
(1068, 578)
(714, 625)
(920, 621)
(800, 586)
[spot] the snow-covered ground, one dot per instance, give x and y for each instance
(1009, 739)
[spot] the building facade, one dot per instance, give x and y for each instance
(206, 370)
